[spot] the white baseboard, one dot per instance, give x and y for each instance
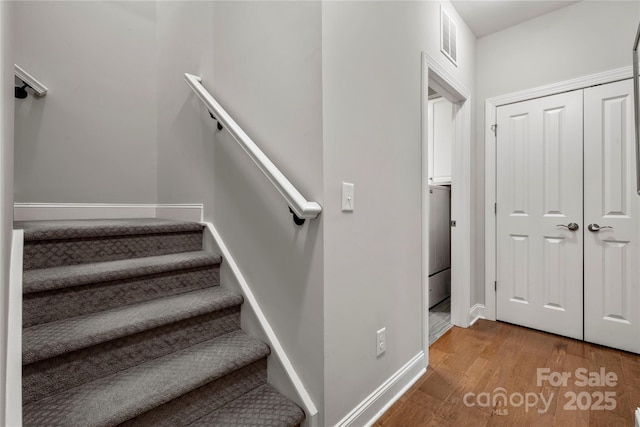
(478, 311)
(69, 211)
(13, 386)
(378, 402)
(181, 212)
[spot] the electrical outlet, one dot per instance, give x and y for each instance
(381, 341)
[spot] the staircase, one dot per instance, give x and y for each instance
(124, 323)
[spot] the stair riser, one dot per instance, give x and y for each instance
(55, 253)
(46, 377)
(60, 304)
(201, 401)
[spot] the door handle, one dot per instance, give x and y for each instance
(596, 227)
(572, 226)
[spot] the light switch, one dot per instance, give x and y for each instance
(348, 200)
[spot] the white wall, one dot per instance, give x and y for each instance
(585, 38)
(262, 62)
(330, 91)
(372, 137)
(267, 74)
(6, 181)
(186, 140)
(93, 137)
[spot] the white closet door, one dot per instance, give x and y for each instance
(539, 186)
(611, 255)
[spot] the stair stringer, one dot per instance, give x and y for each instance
(281, 373)
(13, 384)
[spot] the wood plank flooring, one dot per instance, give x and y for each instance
(467, 366)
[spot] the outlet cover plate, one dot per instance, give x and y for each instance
(381, 341)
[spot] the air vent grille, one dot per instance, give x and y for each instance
(448, 37)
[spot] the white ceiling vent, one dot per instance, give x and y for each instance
(448, 37)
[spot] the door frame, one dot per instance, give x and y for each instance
(436, 76)
(490, 151)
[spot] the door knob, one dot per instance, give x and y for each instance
(572, 226)
(596, 227)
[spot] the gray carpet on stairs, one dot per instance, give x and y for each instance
(60, 292)
(47, 279)
(56, 243)
(52, 375)
(55, 338)
(202, 401)
(78, 229)
(261, 407)
(49, 306)
(126, 394)
(125, 324)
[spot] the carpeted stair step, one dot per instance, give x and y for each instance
(135, 391)
(67, 291)
(49, 376)
(191, 406)
(55, 243)
(125, 324)
(261, 407)
(47, 279)
(55, 338)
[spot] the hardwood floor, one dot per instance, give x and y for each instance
(468, 365)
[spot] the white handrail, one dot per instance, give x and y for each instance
(32, 82)
(301, 207)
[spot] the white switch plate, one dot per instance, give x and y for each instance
(348, 198)
(381, 341)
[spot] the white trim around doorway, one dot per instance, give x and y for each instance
(490, 114)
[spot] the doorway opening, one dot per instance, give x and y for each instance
(454, 178)
(441, 127)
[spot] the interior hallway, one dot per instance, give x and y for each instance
(493, 354)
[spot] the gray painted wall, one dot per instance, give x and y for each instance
(6, 181)
(372, 137)
(585, 38)
(267, 73)
(262, 61)
(186, 133)
(93, 138)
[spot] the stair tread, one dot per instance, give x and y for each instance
(62, 336)
(261, 407)
(126, 394)
(77, 229)
(45, 279)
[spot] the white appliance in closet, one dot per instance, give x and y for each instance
(439, 244)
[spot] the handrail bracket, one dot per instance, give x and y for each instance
(296, 219)
(220, 127)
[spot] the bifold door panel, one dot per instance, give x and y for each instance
(539, 217)
(611, 255)
(568, 216)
